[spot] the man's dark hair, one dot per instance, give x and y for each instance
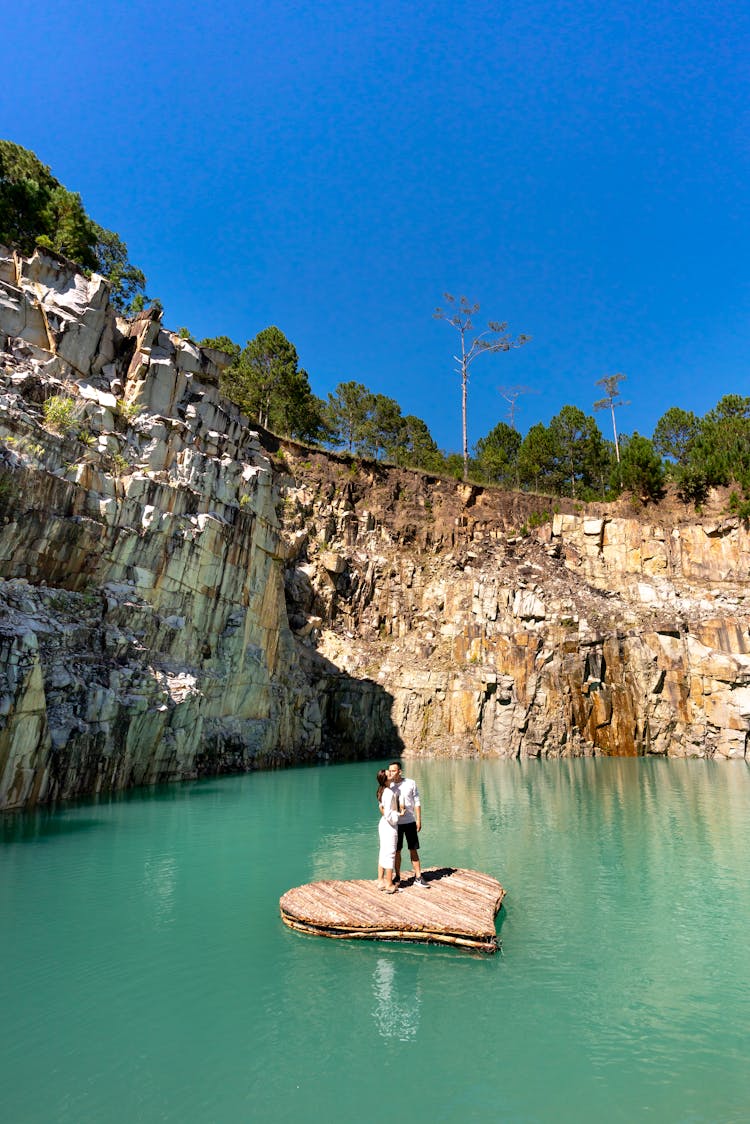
(394, 763)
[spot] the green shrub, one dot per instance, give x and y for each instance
(130, 410)
(120, 464)
(60, 414)
(740, 507)
(692, 484)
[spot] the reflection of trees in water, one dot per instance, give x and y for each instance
(397, 999)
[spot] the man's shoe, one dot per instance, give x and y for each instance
(396, 879)
(421, 883)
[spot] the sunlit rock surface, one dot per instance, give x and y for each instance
(502, 627)
(143, 629)
(181, 595)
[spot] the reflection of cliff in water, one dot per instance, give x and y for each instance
(395, 986)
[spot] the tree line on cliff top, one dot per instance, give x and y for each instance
(569, 457)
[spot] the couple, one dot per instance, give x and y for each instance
(401, 816)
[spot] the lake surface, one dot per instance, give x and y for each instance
(146, 975)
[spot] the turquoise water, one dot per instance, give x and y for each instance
(146, 975)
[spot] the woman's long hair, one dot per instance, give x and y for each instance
(382, 782)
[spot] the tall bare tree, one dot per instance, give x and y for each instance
(511, 394)
(495, 337)
(611, 385)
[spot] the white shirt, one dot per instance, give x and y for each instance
(408, 794)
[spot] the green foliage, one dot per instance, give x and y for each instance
(711, 451)
(266, 381)
(25, 189)
(641, 468)
(535, 457)
(692, 484)
(454, 466)
(126, 281)
(568, 458)
(73, 231)
(130, 410)
(382, 430)
(60, 414)
(120, 465)
(269, 369)
(497, 455)
(373, 424)
(35, 209)
(580, 455)
(740, 507)
(538, 519)
(417, 448)
(347, 414)
(722, 447)
(675, 433)
(34, 206)
(224, 344)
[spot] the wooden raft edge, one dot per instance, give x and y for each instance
(424, 936)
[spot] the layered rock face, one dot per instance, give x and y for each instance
(143, 630)
(502, 627)
(181, 595)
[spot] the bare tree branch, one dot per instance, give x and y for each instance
(511, 394)
(471, 347)
(611, 384)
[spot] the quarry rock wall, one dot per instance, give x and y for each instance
(182, 594)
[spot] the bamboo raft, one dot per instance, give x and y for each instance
(458, 908)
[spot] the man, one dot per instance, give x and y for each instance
(409, 822)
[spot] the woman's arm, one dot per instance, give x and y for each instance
(390, 810)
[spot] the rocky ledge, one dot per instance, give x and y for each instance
(182, 594)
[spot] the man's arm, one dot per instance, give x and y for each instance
(417, 809)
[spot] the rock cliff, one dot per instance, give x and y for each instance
(182, 594)
(501, 627)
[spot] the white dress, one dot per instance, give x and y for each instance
(387, 830)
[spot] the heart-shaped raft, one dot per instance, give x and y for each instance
(457, 907)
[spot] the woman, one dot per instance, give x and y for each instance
(387, 833)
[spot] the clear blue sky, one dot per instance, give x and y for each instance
(579, 168)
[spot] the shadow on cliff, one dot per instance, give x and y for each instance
(356, 722)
